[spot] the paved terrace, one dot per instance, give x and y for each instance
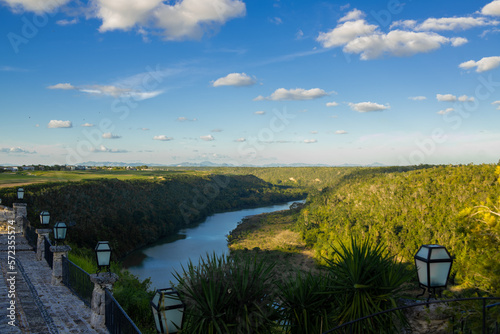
(40, 307)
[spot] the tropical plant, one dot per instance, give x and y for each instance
(367, 280)
(228, 295)
(306, 304)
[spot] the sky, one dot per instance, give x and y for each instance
(249, 82)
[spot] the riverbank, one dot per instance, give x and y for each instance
(273, 235)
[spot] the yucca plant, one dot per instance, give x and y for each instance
(306, 304)
(367, 280)
(228, 295)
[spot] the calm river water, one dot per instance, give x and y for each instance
(160, 260)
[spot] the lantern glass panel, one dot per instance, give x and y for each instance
(172, 319)
(60, 231)
(439, 273)
(439, 254)
(423, 252)
(44, 218)
(103, 251)
(20, 193)
(422, 271)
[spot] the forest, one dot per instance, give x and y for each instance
(133, 213)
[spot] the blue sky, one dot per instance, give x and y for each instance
(250, 82)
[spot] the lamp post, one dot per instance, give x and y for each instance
(60, 229)
(433, 263)
(103, 255)
(44, 217)
(20, 193)
(168, 310)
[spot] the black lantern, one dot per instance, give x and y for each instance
(103, 254)
(60, 229)
(433, 264)
(20, 193)
(168, 310)
(44, 217)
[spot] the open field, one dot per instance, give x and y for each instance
(9, 179)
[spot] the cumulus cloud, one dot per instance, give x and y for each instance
(482, 65)
(240, 140)
(310, 141)
(281, 94)
(109, 135)
(417, 98)
(465, 98)
(368, 106)
(65, 22)
(15, 150)
(341, 132)
(235, 79)
(36, 6)
(104, 149)
(207, 138)
(353, 15)
(496, 103)
(162, 138)
(446, 97)
(59, 124)
(332, 104)
(260, 112)
(344, 33)
(445, 111)
(357, 36)
(493, 8)
(87, 125)
(64, 86)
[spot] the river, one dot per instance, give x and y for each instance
(160, 260)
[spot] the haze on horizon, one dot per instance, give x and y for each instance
(250, 82)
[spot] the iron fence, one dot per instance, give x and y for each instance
(464, 320)
(49, 256)
(77, 280)
(117, 321)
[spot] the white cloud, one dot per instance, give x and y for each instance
(217, 130)
(493, 8)
(482, 65)
(109, 135)
(368, 106)
(260, 112)
(454, 23)
(123, 14)
(417, 98)
(207, 138)
(281, 94)
(353, 15)
(87, 125)
(332, 104)
(185, 119)
(15, 150)
(190, 18)
(235, 79)
(314, 132)
(341, 132)
(397, 42)
(36, 6)
(445, 111)
(144, 129)
(104, 149)
(64, 86)
(496, 103)
(458, 41)
(446, 97)
(310, 141)
(240, 140)
(162, 138)
(59, 124)
(465, 98)
(65, 22)
(344, 33)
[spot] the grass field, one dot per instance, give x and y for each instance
(9, 179)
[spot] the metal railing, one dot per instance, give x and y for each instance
(30, 233)
(469, 322)
(49, 256)
(117, 321)
(77, 280)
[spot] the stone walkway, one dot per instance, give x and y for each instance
(40, 307)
